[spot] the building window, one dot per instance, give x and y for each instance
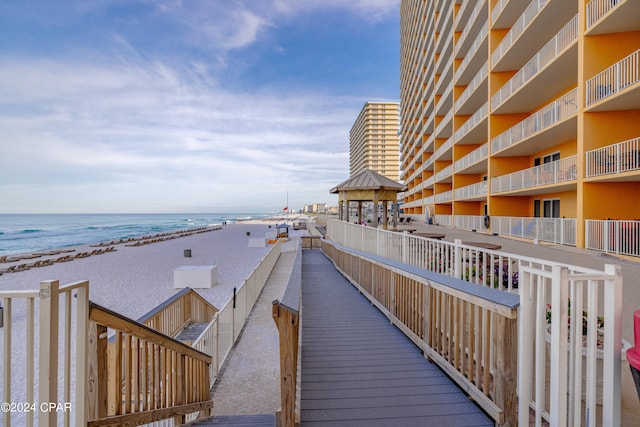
(551, 208)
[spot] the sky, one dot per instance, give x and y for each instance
(142, 106)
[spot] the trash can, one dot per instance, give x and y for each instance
(187, 253)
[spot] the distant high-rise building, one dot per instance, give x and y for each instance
(374, 139)
(523, 118)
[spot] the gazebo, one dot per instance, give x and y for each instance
(367, 186)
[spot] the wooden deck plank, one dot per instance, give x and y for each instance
(358, 369)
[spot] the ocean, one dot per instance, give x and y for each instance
(23, 233)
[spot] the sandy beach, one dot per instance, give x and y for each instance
(132, 280)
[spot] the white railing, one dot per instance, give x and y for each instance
(470, 21)
(570, 346)
(555, 230)
(472, 122)
(497, 10)
(565, 37)
(469, 222)
(444, 173)
(444, 197)
(616, 158)
(480, 76)
(443, 148)
(596, 9)
(20, 334)
(518, 27)
(558, 110)
(546, 288)
(473, 157)
(472, 51)
(615, 236)
(473, 190)
(555, 172)
(445, 120)
(444, 220)
(615, 78)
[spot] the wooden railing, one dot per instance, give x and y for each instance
(470, 331)
(139, 375)
(176, 313)
(286, 315)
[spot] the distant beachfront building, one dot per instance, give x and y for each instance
(315, 208)
(523, 118)
(374, 140)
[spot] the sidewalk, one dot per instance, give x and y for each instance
(249, 383)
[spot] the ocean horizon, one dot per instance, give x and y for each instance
(26, 233)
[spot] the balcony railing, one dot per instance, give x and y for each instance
(444, 197)
(472, 51)
(474, 190)
(473, 157)
(558, 110)
(497, 10)
(567, 35)
(478, 78)
(469, 222)
(445, 220)
(444, 173)
(472, 122)
(562, 170)
(612, 159)
(518, 27)
(615, 78)
(554, 230)
(596, 9)
(474, 14)
(615, 236)
(443, 148)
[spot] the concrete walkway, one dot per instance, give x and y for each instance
(249, 383)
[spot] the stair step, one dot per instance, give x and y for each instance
(266, 420)
(191, 332)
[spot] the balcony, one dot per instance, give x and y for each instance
(474, 93)
(444, 197)
(472, 27)
(473, 162)
(551, 70)
(444, 175)
(473, 131)
(617, 87)
(547, 126)
(612, 16)
(506, 12)
(612, 160)
(473, 58)
(477, 191)
(557, 172)
(444, 152)
(614, 236)
(443, 130)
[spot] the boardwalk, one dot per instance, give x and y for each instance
(358, 370)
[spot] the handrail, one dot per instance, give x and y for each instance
(141, 375)
(286, 315)
(174, 314)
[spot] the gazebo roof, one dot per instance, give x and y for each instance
(368, 180)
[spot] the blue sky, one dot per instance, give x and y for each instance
(186, 105)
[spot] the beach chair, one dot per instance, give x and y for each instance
(401, 220)
(408, 220)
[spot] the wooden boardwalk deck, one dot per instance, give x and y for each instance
(359, 370)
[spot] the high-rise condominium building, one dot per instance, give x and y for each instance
(522, 118)
(374, 140)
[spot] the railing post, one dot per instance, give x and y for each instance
(287, 323)
(457, 259)
(506, 368)
(82, 354)
(559, 314)
(97, 373)
(48, 351)
(613, 337)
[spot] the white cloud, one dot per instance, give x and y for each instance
(121, 137)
